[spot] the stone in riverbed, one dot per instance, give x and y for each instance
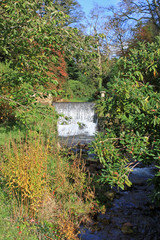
(127, 228)
(139, 176)
(110, 195)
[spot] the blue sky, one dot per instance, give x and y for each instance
(87, 5)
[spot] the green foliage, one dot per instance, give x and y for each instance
(32, 44)
(156, 182)
(18, 228)
(142, 65)
(34, 120)
(73, 10)
(115, 165)
(131, 109)
(71, 185)
(50, 192)
(78, 89)
(4, 68)
(38, 118)
(83, 63)
(35, 45)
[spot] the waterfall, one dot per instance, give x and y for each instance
(76, 119)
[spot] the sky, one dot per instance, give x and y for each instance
(87, 5)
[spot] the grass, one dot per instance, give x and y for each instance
(7, 133)
(53, 207)
(79, 100)
(16, 228)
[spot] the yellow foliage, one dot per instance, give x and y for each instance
(25, 169)
(68, 229)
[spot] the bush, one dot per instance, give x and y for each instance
(46, 186)
(131, 110)
(78, 89)
(24, 168)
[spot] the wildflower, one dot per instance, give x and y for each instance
(32, 220)
(19, 232)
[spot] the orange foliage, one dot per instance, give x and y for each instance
(57, 70)
(144, 33)
(6, 112)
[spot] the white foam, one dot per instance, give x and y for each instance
(78, 119)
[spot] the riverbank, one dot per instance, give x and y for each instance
(130, 214)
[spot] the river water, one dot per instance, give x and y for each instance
(131, 215)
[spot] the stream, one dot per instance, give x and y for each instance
(131, 214)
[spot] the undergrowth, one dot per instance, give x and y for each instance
(45, 194)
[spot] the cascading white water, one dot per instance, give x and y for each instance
(77, 119)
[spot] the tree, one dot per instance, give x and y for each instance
(140, 10)
(31, 44)
(130, 19)
(118, 35)
(82, 66)
(33, 48)
(35, 41)
(96, 28)
(142, 33)
(71, 8)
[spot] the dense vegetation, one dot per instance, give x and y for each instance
(131, 116)
(47, 54)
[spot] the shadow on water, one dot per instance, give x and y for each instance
(132, 215)
(74, 140)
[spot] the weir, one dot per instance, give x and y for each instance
(76, 119)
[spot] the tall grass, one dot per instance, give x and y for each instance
(25, 167)
(49, 191)
(45, 191)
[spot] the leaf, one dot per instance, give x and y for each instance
(139, 74)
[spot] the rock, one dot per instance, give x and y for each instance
(105, 221)
(45, 99)
(139, 176)
(127, 228)
(92, 167)
(110, 195)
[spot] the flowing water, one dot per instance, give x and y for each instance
(77, 119)
(132, 215)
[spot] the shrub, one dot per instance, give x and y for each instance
(78, 89)
(47, 186)
(25, 170)
(131, 111)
